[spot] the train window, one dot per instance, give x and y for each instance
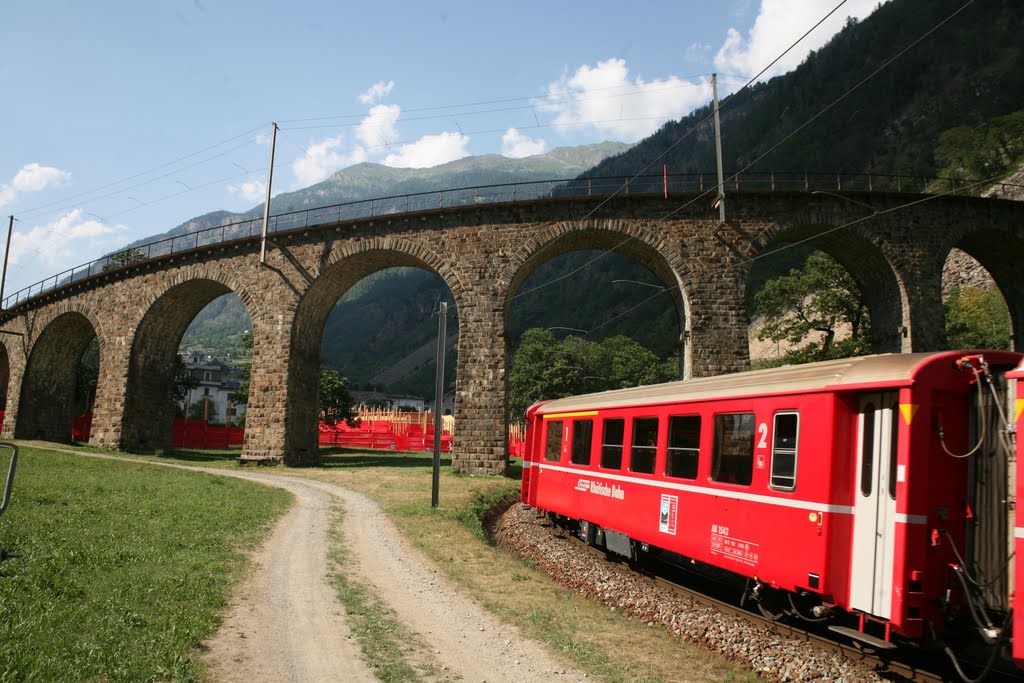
(784, 446)
(683, 446)
(554, 446)
(611, 443)
(645, 445)
(732, 459)
(894, 432)
(582, 435)
(867, 450)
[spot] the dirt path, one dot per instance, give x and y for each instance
(286, 624)
(467, 642)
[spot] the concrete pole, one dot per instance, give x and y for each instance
(718, 150)
(266, 204)
(7, 253)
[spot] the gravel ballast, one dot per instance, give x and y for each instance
(772, 655)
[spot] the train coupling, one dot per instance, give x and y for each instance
(990, 634)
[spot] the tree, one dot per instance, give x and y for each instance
(240, 396)
(544, 368)
(336, 402)
(820, 297)
(976, 319)
(203, 409)
(184, 382)
(123, 258)
(87, 377)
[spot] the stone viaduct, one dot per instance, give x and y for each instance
(893, 247)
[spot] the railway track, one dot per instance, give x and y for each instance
(884, 666)
(887, 667)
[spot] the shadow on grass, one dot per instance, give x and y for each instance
(195, 455)
(342, 458)
(332, 458)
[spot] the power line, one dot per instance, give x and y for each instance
(752, 163)
(140, 174)
(662, 156)
(633, 90)
(816, 236)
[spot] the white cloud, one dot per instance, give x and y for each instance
(60, 244)
(430, 150)
(32, 178)
(378, 128)
(251, 191)
(604, 97)
(697, 53)
(516, 145)
(778, 25)
(323, 159)
(377, 91)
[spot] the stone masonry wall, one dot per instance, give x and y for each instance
(484, 253)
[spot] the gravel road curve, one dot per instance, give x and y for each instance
(285, 622)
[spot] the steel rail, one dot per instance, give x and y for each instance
(884, 666)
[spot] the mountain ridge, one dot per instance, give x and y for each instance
(368, 180)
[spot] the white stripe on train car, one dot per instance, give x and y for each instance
(1019, 532)
(527, 464)
(911, 519)
(690, 488)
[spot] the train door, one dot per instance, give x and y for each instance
(874, 511)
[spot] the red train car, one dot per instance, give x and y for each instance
(846, 488)
(1018, 533)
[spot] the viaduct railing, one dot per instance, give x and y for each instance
(488, 194)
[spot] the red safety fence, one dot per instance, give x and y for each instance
(200, 434)
(373, 434)
(383, 435)
(81, 427)
(517, 440)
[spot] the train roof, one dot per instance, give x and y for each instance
(884, 370)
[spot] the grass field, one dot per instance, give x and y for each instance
(607, 645)
(124, 566)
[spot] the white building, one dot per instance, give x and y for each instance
(212, 396)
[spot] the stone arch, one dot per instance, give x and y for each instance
(1000, 253)
(884, 293)
(46, 403)
(340, 270)
(149, 390)
(627, 238)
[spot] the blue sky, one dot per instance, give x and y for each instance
(124, 118)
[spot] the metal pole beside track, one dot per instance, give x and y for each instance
(442, 333)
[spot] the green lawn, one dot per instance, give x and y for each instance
(124, 569)
(137, 612)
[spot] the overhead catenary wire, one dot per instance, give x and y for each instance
(306, 152)
(85, 193)
(533, 100)
(627, 90)
(668, 149)
(815, 236)
(736, 174)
